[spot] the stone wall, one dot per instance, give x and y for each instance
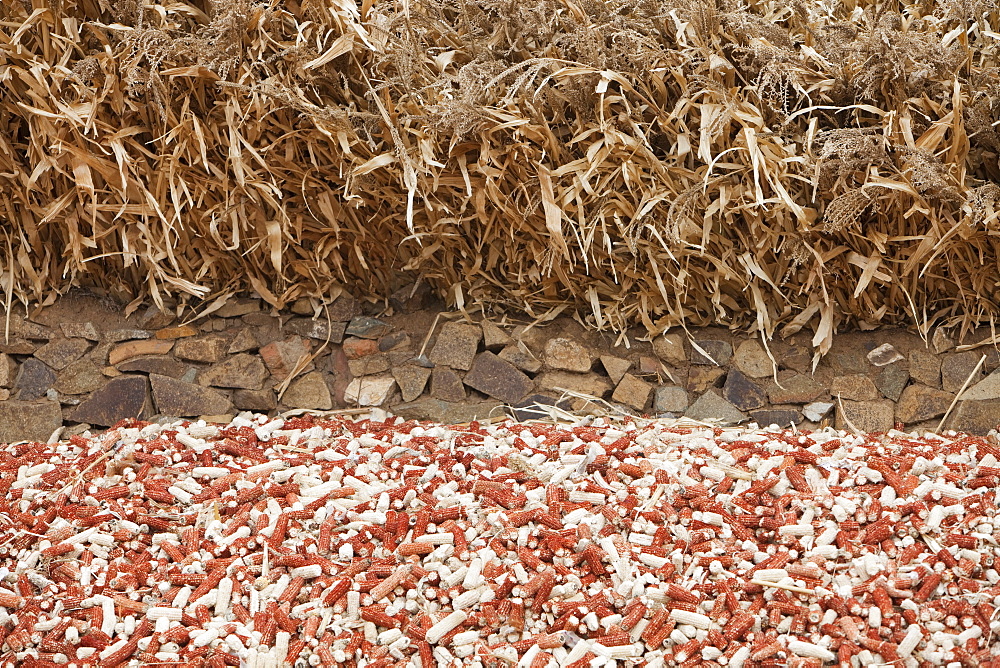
(83, 364)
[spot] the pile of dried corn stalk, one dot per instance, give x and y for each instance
(769, 165)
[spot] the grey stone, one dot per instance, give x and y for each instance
(956, 368)
(33, 379)
(411, 380)
(616, 367)
(941, 341)
(568, 355)
(751, 358)
(60, 353)
(80, 377)
(122, 397)
(633, 392)
(456, 345)
(884, 354)
(866, 416)
(670, 399)
(369, 390)
(975, 417)
(742, 392)
(369, 365)
(855, 387)
(158, 364)
(494, 338)
(237, 307)
(779, 416)
(710, 406)
(584, 383)
(211, 348)
(435, 410)
(243, 341)
(308, 391)
(255, 400)
(119, 335)
(817, 410)
(797, 359)
(29, 420)
(919, 402)
(80, 330)
(154, 318)
(318, 329)
(720, 351)
(891, 379)
(8, 370)
(795, 389)
(447, 385)
(242, 371)
(534, 406)
(366, 327)
(519, 355)
(497, 378)
(925, 368)
(702, 378)
(35, 332)
(175, 397)
(984, 390)
(670, 349)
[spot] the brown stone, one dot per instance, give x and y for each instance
(975, 417)
(242, 371)
(355, 348)
(370, 365)
(497, 378)
(154, 318)
(632, 392)
(209, 349)
(370, 390)
(158, 364)
(60, 353)
(8, 370)
(80, 377)
(302, 306)
(234, 308)
(80, 330)
(244, 341)
(919, 402)
(17, 347)
(394, 341)
(616, 367)
(884, 354)
(447, 385)
(282, 356)
(720, 352)
(343, 308)
(984, 390)
(866, 416)
(795, 389)
(751, 358)
(178, 332)
(742, 392)
(127, 351)
(797, 359)
(175, 397)
(255, 400)
(308, 391)
(519, 355)
(710, 406)
(428, 408)
(584, 383)
(29, 420)
(702, 378)
(411, 380)
(855, 387)
(120, 398)
(494, 338)
(456, 345)
(568, 355)
(670, 349)
(33, 380)
(941, 341)
(956, 368)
